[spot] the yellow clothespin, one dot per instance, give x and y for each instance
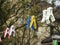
(33, 22)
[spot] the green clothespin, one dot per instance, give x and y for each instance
(55, 42)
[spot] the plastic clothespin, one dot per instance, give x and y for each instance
(44, 16)
(6, 32)
(33, 22)
(28, 23)
(12, 30)
(55, 42)
(50, 13)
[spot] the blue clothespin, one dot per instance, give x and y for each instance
(28, 23)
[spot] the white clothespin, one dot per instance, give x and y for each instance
(50, 14)
(44, 16)
(12, 30)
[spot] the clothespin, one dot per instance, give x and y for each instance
(28, 23)
(44, 16)
(50, 13)
(12, 30)
(55, 42)
(33, 22)
(6, 32)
